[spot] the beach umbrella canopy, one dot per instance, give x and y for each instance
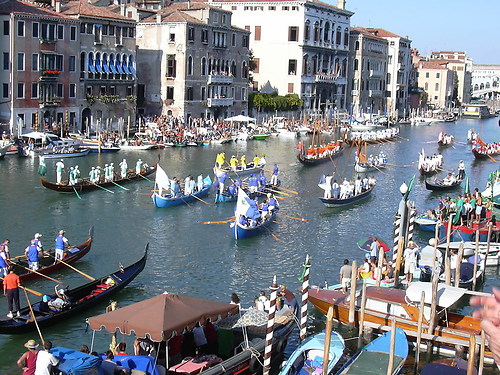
(365, 244)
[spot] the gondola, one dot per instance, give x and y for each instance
(60, 155)
(80, 298)
(440, 186)
(47, 264)
(85, 184)
(241, 232)
(166, 200)
(311, 161)
(332, 202)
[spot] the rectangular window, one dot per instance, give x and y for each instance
(83, 28)
(204, 36)
(72, 90)
(35, 29)
(437, 75)
(130, 91)
(34, 62)
(234, 7)
(105, 30)
(203, 93)
(245, 41)
(256, 63)
(170, 92)
(112, 90)
(243, 93)
(102, 90)
(293, 34)
(5, 90)
(257, 33)
(191, 34)
(20, 90)
(436, 88)
(171, 38)
(292, 67)
(233, 40)
(426, 86)
(72, 33)
(272, 8)
(20, 61)
(284, 8)
(72, 63)
(60, 32)
(5, 61)
(60, 88)
(20, 28)
(118, 36)
(89, 90)
(255, 86)
(189, 93)
(290, 88)
(427, 75)
(34, 90)
(171, 65)
(59, 63)
(111, 30)
(6, 27)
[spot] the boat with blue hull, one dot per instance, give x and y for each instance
(161, 197)
(332, 202)
(309, 355)
(426, 224)
(60, 155)
(241, 231)
(374, 357)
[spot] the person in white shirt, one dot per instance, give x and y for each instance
(45, 360)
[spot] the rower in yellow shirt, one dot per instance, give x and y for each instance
(256, 161)
(243, 161)
(234, 163)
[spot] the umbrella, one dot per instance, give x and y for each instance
(365, 244)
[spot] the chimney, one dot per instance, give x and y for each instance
(58, 6)
(122, 9)
(158, 18)
(189, 4)
(341, 4)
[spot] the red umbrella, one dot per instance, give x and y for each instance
(365, 244)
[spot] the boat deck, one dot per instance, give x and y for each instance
(375, 363)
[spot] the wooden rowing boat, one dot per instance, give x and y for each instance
(85, 184)
(311, 160)
(374, 357)
(65, 155)
(167, 200)
(240, 231)
(80, 298)
(47, 264)
(332, 202)
(441, 186)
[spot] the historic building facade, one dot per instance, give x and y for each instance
(437, 81)
(458, 62)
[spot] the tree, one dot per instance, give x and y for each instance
(251, 65)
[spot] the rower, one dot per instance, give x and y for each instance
(138, 167)
(256, 161)
(262, 180)
(4, 268)
(59, 171)
(335, 189)
(233, 163)
(107, 173)
(243, 162)
(273, 203)
(32, 253)
(71, 175)
(92, 175)
(123, 168)
(62, 244)
(76, 174)
(461, 170)
(253, 184)
(200, 183)
(222, 180)
(111, 172)
(38, 243)
(187, 186)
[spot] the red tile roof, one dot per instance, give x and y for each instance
(83, 8)
(309, 2)
(24, 7)
(175, 15)
(367, 32)
(433, 64)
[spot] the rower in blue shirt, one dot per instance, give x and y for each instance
(253, 184)
(273, 203)
(238, 182)
(31, 253)
(231, 190)
(262, 180)
(274, 177)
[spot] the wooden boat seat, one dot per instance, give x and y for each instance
(372, 363)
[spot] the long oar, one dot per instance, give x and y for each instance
(277, 191)
(73, 268)
(122, 187)
(201, 200)
(103, 188)
(218, 222)
(78, 195)
(29, 290)
(144, 177)
(406, 139)
(295, 218)
(38, 273)
(261, 192)
(34, 317)
(288, 190)
(491, 157)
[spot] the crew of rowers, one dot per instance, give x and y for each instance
(430, 164)
(445, 139)
(472, 135)
(347, 189)
(373, 135)
(379, 159)
(263, 211)
(190, 186)
(486, 148)
(236, 164)
(318, 152)
(98, 174)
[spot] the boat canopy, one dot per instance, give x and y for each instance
(162, 316)
(446, 295)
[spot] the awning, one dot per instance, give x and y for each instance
(98, 67)
(112, 66)
(92, 67)
(132, 69)
(105, 66)
(125, 67)
(446, 295)
(162, 316)
(119, 67)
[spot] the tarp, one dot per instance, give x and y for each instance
(137, 362)
(446, 295)
(162, 316)
(73, 362)
(240, 118)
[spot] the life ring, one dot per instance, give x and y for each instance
(254, 364)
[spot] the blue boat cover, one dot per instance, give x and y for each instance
(73, 362)
(137, 362)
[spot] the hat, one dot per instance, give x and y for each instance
(61, 231)
(411, 244)
(31, 344)
(432, 241)
(46, 298)
(60, 291)
(38, 235)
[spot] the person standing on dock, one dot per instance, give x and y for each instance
(62, 244)
(345, 276)
(45, 360)
(59, 171)
(123, 168)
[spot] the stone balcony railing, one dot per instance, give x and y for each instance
(220, 79)
(220, 102)
(49, 102)
(49, 75)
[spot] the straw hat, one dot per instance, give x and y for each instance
(31, 344)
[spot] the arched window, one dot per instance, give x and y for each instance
(307, 31)
(233, 69)
(316, 31)
(339, 36)
(190, 66)
(305, 64)
(112, 66)
(481, 86)
(203, 66)
(356, 64)
(326, 33)
(91, 65)
(105, 66)
(333, 33)
(356, 45)
(487, 85)
(346, 37)
(244, 70)
(131, 65)
(98, 65)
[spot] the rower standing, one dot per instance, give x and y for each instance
(123, 168)
(243, 162)
(62, 244)
(274, 177)
(38, 243)
(138, 167)
(256, 161)
(59, 171)
(461, 170)
(4, 267)
(233, 162)
(4, 246)
(76, 174)
(32, 254)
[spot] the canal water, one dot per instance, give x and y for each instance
(204, 261)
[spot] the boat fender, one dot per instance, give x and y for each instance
(280, 346)
(254, 364)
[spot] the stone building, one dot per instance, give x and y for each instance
(458, 62)
(192, 63)
(437, 81)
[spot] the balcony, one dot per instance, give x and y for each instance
(49, 75)
(325, 78)
(375, 73)
(49, 102)
(48, 39)
(220, 79)
(354, 92)
(373, 93)
(219, 102)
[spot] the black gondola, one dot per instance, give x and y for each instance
(320, 159)
(79, 299)
(439, 186)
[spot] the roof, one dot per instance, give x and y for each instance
(380, 32)
(162, 316)
(433, 64)
(173, 16)
(446, 295)
(367, 32)
(24, 7)
(83, 8)
(286, 2)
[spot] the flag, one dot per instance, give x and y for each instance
(207, 181)
(467, 186)
(162, 181)
(410, 185)
(322, 183)
(245, 206)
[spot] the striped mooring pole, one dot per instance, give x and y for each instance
(411, 222)
(270, 327)
(397, 225)
(305, 297)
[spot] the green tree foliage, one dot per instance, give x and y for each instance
(273, 102)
